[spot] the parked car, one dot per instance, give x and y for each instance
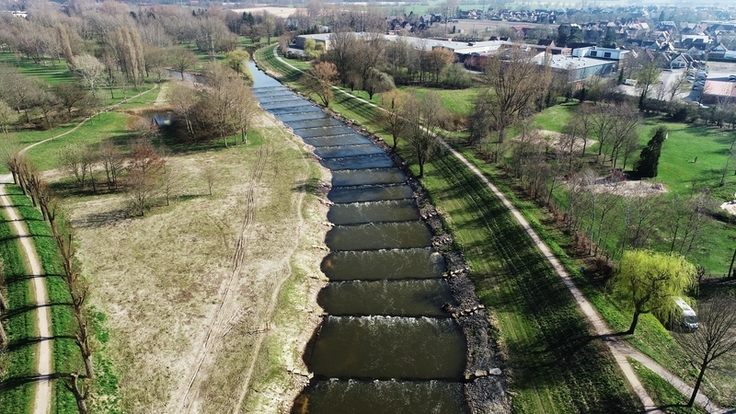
(732, 77)
(686, 314)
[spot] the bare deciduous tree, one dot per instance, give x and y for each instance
(424, 119)
(393, 103)
(714, 338)
(678, 85)
(183, 98)
(7, 116)
(112, 161)
(90, 70)
(319, 80)
(210, 175)
(73, 158)
(144, 174)
(228, 100)
(181, 59)
(516, 85)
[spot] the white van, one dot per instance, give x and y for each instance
(630, 82)
(685, 314)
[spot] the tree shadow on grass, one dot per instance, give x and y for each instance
(24, 342)
(310, 186)
(21, 380)
(15, 312)
(102, 219)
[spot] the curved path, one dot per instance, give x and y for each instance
(42, 399)
(620, 349)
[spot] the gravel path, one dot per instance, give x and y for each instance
(42, 402)
(617, 346)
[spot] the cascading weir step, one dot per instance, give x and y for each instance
(382, 397)
(388, 347)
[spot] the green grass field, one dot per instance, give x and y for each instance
(554, 118)
(106, 125)
(49, 70)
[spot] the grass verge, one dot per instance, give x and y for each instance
(665, 396)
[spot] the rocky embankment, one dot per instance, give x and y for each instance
(485, 384)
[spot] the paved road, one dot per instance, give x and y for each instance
(618, 347)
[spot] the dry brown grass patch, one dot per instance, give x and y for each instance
(178, 313)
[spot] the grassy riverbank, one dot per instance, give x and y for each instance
(554, 364)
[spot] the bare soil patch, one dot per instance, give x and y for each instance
(191, 330)
(555, 140)
(282, 12)
(639, 188)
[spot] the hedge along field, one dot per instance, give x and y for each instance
(19, 361)
(555, 365)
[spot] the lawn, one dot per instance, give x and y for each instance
(106, 125)
(459, 101)
(554, 118)
(50, 70)
(686, 143)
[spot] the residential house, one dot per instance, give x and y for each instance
(717, 52)
(718, 92)
(681, 61)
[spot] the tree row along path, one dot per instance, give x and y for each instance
(620, 349)
(42, 399)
